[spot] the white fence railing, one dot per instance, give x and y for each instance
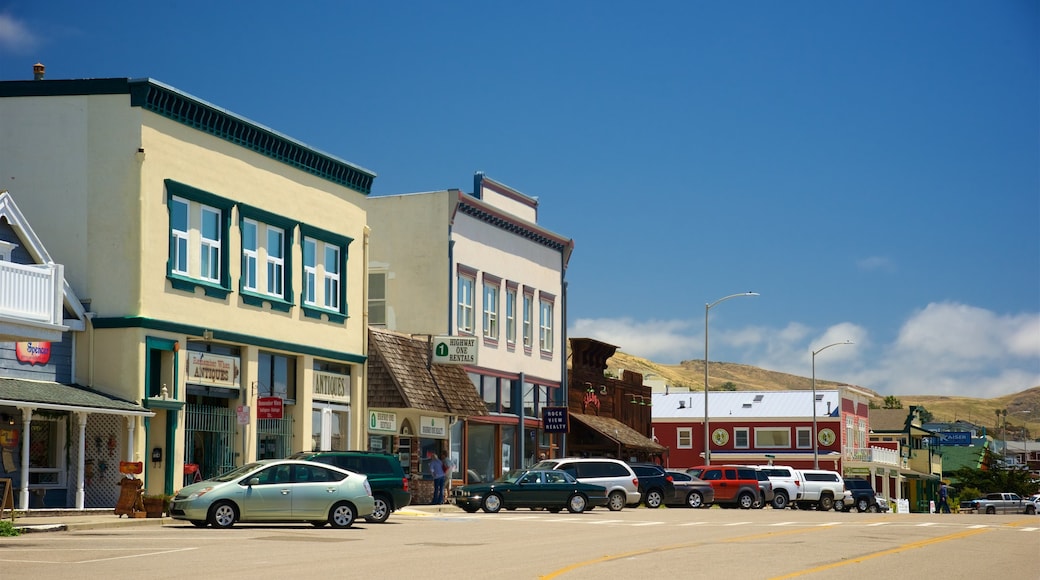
(32, 291)
(873, 455)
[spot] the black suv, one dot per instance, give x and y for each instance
(858, 494)
(655, 484)
(385, 476)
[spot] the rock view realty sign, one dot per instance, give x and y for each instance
(455, 350)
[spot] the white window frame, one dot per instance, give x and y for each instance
(250, 255)
(274, 259)
(803, 432)
(466, 283)
(528, 319)
(332, 276)
(684, 438)
(181, 239)
(210, 247)
(737, 433)
(511, 315)
(781, 430)
(310, 271)
(545, 325)
(490, 319)
(61, 468)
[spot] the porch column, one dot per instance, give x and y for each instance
(131, 424)
(23, 492)
(81, 448)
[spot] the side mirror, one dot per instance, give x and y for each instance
(253, 481)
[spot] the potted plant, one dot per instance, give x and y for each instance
(156, 505)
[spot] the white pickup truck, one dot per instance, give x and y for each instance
(999, 503)
(820, 489)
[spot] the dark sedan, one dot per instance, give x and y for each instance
(690, 491)
(530, 488)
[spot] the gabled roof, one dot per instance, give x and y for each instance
(955, 457)
(747, 404)
(399, 377)
(888, 420)
(32, 244)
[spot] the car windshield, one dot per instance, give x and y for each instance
(236, 473)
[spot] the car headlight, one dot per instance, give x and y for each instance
(199, 493)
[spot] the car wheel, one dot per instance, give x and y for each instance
(780, 501)
(199, 523)
(616, 501)
(862, 505)
(874, 509)
(381, 511)
(826, 503)
(318, 524)
(222, 515)
(1030, 510)
(577, 503)
(492, 503)
(991, 510)
(695, 499)
(746, 500)
(654, 497)
(342, 515)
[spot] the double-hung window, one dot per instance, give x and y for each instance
(324, 264)
(545, 325)
(266, 244)
(198, 253)
(466, 283)
(377, 298)
(528, 317)
(491, 287)
(510, 313)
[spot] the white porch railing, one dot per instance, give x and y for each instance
(32, 292)
(873, 455)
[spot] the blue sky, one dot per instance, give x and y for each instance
(871, 169)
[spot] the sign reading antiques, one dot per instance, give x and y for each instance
(554, 419)
(332, 387)
(213, 369)
(455, 350)
(269, 408)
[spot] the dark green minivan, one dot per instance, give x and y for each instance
(389, 482)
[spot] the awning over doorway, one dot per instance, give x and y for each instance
(619, 433)
(62, 397)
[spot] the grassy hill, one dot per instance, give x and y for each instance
(1023, 408)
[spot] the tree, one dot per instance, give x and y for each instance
(891, 402)
(728, 386)
(925, 415)
(996, 480)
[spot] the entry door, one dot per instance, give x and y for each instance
(330, 426)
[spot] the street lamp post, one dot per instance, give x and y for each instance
(707, 435)
(815, 442)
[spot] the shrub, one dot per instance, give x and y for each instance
(8, 529)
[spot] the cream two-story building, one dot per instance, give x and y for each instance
(220, 266)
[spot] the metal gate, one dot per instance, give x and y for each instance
(273, 438)
(210, 438)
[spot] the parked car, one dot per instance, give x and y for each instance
(276, 490)
(551, 489)
(820, 489)
(655, 484)
(385, 475)
(765, 489)
(787, 484)
(859, 494)
(999, 503)
(734, 486)
(882, 503)
(690, 491)
(621, 482)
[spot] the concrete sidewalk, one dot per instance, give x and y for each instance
(75, 520)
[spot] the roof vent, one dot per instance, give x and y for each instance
(682, 404)
(758, 398)
(38, 70)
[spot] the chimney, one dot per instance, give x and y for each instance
(828, 407)
(38, 70)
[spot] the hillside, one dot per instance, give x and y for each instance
(1023, 407)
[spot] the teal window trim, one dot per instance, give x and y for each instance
(185, 283)
(284, 304)
(235, 337)
(343, 242)
(169, 344)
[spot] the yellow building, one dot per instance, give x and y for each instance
(221, 266)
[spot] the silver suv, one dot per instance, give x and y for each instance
(619, 479)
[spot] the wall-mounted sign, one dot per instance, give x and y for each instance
(34, 353)
(213, 369)
(554, 419)
(243, 414)
(269, 408)
(960, 438)
(826, 437)
(455, 350)
(433, 427)
(382, 421)
(331, 387)
(720, 436)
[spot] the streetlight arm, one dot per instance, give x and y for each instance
(816, 352)
(725, 298)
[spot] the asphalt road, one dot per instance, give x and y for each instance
(633, 543)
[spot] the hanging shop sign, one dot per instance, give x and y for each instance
(213, 369)
(332, 387)
(34, 353)
(269, 408)
(455, 350)
(554, 419)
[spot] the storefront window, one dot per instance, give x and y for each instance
(508, 444)
(276, 376)
(480, 453)
(46, 451)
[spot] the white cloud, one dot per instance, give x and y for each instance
(876, 264)
(15, 36)
(943, 349)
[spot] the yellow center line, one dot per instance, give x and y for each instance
(896, 550)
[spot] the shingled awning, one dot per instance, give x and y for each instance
(619, 432)
(400, 376)
(62, 397)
